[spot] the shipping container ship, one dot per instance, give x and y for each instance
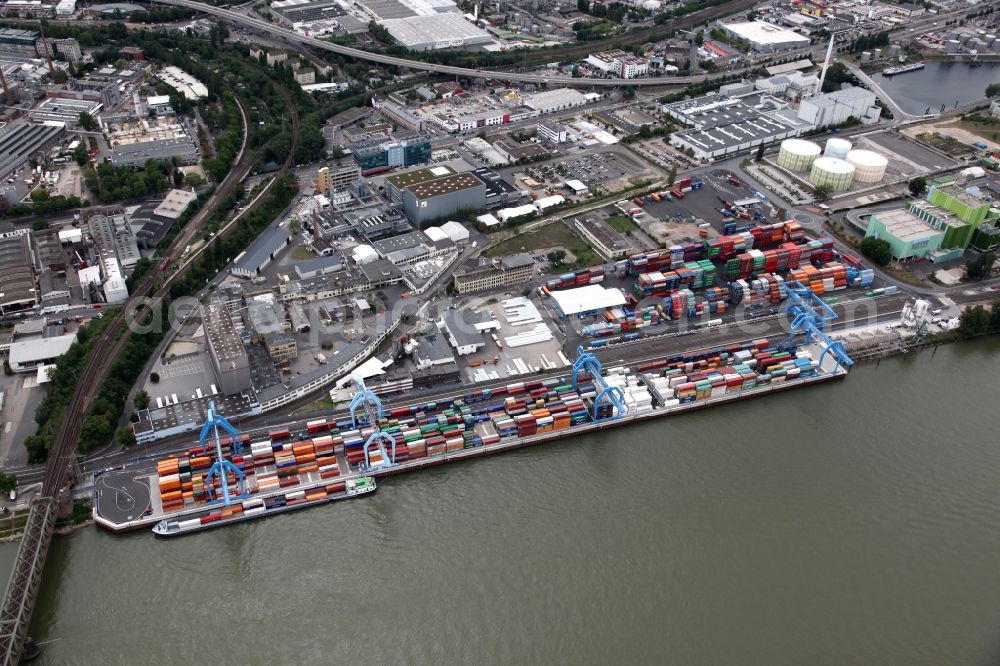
(259, 507)
(302, 464)
(902, 69)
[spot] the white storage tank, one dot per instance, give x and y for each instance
(797, 154)
(832, 173)
(869, 166)
(837, 148)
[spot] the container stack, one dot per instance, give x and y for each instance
(592, 275)
(828, 278)
(864, 278)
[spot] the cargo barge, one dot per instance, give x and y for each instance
(902, 69)
(261, 507)
(474, 424)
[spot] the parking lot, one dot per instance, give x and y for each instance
(600, 168)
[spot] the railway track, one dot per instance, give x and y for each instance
(22, 588)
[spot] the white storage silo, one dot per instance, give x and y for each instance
(832, 173)
(797, 154)
(869, 166)
(837, 148)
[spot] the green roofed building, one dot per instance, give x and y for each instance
(965, 204)
(909, 236)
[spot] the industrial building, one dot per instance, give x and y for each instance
(726, 126)
(441, 197)
(19, 44)
(260, 253)
(464, 329)
(21, 142)
(963, 203)
(483, 274)
(153, 221)
(499, 192)
(397, 182)
(909, 237)
(401, 116)
(318, 266)
(765, 37)
(607, 241)
(553, 133)
(436, 31)
(111, 232)
(182, 82)
(229, 357)
(16, 273)
(624, 65)
(115, 290)
(837, 107)
(338, 176)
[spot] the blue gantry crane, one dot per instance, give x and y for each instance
(585, 361)
(373, 411)
(222, 467)
(809, 316)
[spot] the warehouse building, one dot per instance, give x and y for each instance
(261, 253)
(28, 355)
(619, 63)
(295, 12)
(18, 44)
(438, 198)
(837, 107)
(318, 266)
(436, 31)
(135, 155)
(483, 274)
(182, 82)
(765, 37)
(229, 357)
(556, 100)
(402, 117)
(725, 126)
(586, 301)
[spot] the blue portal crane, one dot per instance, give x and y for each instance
(222, 467)
(586, 361)
(809, 315)
(366, 399)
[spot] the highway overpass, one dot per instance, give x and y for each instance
(360, 54)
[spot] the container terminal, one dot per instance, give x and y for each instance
(254, 474)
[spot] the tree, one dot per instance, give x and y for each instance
(192, 179)
(8, 482)
(178, 178)
(556, 257)
(87, 122)
(672, 176)
(822, 193)
(141, 400)
(876, 249)
(96, 431)
(981, 267)
(80, 154)
(760, 153)
(154, 377)
(61, 76)
(993, 90)
(975, 321)
(699, 38)
(918, 185)
(123, 435)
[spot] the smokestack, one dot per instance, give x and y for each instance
(826, 64)
(475, 12)
(315, 226)
(48, 56)
(6, 90)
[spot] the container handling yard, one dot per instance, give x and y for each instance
(234, 477)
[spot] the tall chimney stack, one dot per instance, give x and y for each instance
(48, 56)
(6, 91)
(826, 64)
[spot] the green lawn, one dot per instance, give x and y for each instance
(622, 223)
(551, 235)
(302, 253)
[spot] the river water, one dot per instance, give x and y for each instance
(851, 523)
(948, 83)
